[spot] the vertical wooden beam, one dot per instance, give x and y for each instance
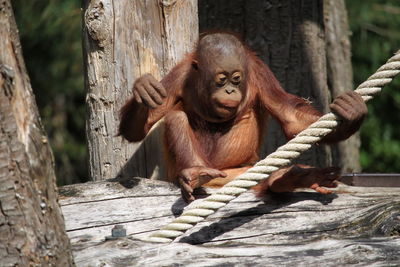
(123, 40)
(340, 75)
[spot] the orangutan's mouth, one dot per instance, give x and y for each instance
(228, 104)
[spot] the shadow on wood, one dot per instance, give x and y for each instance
(141, 163)
(272, 203)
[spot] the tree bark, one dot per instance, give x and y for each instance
(123, 40)
(32, 231)
(295, 38)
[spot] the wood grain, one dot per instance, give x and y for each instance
(355, 225)
(123, 40)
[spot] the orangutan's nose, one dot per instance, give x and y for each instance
(230, 90)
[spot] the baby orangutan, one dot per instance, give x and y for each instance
(215, 103)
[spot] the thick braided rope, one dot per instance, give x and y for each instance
(283, 156)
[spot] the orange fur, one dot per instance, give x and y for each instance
(229, 146)
(231, 174)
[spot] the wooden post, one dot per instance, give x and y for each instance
(340, 75)
(123, 40)
(32, 231)
(295, 38)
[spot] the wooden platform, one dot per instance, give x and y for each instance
(356, 226)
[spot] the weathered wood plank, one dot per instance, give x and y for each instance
(354, 225)
(111, 189)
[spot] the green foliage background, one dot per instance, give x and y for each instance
(50, 32)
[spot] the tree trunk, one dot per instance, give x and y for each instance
(123, 40)
(32, 231)
(295, 38)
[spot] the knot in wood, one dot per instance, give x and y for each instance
(98, 19)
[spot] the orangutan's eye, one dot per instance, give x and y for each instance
(220, 79)
(236, 77)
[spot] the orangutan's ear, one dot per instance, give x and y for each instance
(195, 64)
